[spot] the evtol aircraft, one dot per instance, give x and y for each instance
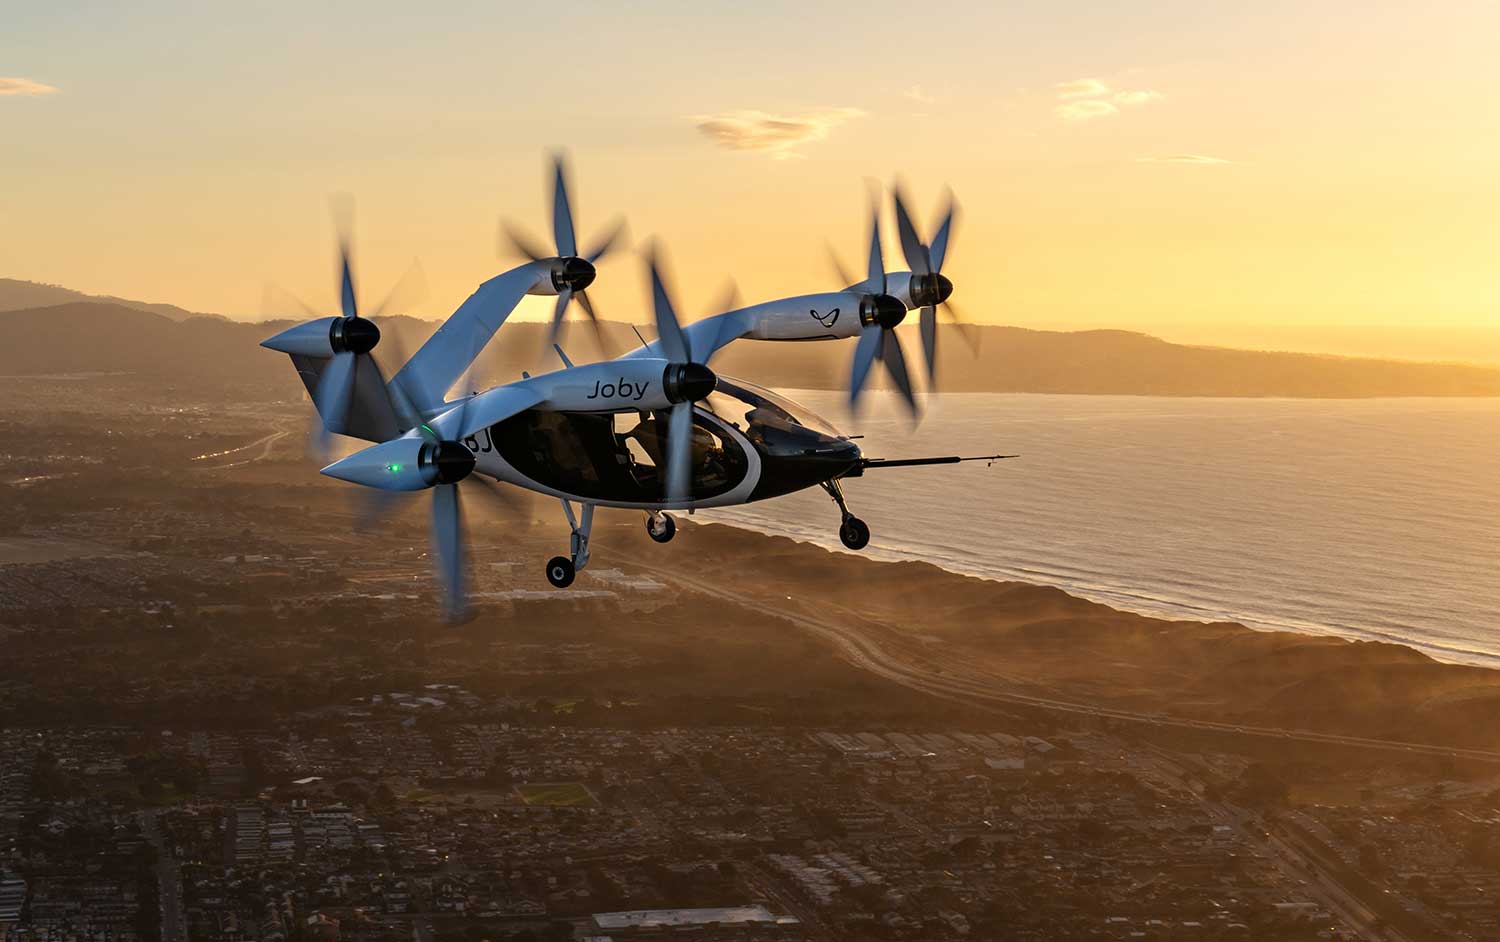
(654, 430)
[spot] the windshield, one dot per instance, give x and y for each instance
(757, 405)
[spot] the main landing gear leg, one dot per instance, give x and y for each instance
(852, 530)
(660, 526)
(562, 569)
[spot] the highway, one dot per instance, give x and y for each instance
(264, 444)
(168, 877)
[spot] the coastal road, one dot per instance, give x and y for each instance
(957, 679)
(258, 450)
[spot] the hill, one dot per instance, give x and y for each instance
(224, 356)
(16, 295)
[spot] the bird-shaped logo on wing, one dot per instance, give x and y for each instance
(827, 320)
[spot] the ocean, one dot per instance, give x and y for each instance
(1372, 519)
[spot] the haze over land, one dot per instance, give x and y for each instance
(166, 344)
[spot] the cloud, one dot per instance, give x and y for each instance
(23, 86)
(1085, 109)
(1200, 160)
(918, 95)
(774, 134)
(1081, 88)
(1086, 99)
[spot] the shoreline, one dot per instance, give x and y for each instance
(1040, 644)
(1146, 606)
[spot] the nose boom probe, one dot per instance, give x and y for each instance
(868, 463)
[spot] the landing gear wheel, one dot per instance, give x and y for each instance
(560, 571)
(854, 533)
(661, 528)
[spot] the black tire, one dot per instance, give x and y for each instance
(560, 571)
(854, 533)
(668, 529)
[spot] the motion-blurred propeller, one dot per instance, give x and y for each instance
(929, 288)
(572, 271)
(687, 381)
(879, 316)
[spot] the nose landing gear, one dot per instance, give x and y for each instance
(853, 532)
(661, 527)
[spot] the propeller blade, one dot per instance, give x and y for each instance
(864, 357)
(588, 308)
(505, 501)
(929, 341)
(274, 299)
(564, 297)
(448, 548)
(520, 242)
(938, 251)
(335, 394)
(562, 212)
(346, 288)
(875, 270)
(408, 291)
(895, 364)
(911, 246)
(729, 300)
(967, 331)
(674, 343)
(608, 242)
(342, 208)
(373, 509)
(839, 270)
(679, 451)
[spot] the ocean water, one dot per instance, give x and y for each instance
(1374, 519)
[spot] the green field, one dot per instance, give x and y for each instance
(558, 794)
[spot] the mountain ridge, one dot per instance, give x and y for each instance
(101, 336)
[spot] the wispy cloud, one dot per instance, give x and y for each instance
(11, 85)
(1085, 109)
(1087, 98)
(775, 134)
(1201, 160)
(919, 95)
(1081, 88)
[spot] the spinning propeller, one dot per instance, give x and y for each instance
(687, 381)
(929, 289)
(879, 315)
(345, 342)
(428, 461)
(572, 273)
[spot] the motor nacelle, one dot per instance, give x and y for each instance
(405, 464)
(326, 337)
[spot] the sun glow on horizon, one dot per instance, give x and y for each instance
(1287, 174)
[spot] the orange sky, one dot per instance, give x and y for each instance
(1306, 176)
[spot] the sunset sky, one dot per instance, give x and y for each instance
(1285, 174)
